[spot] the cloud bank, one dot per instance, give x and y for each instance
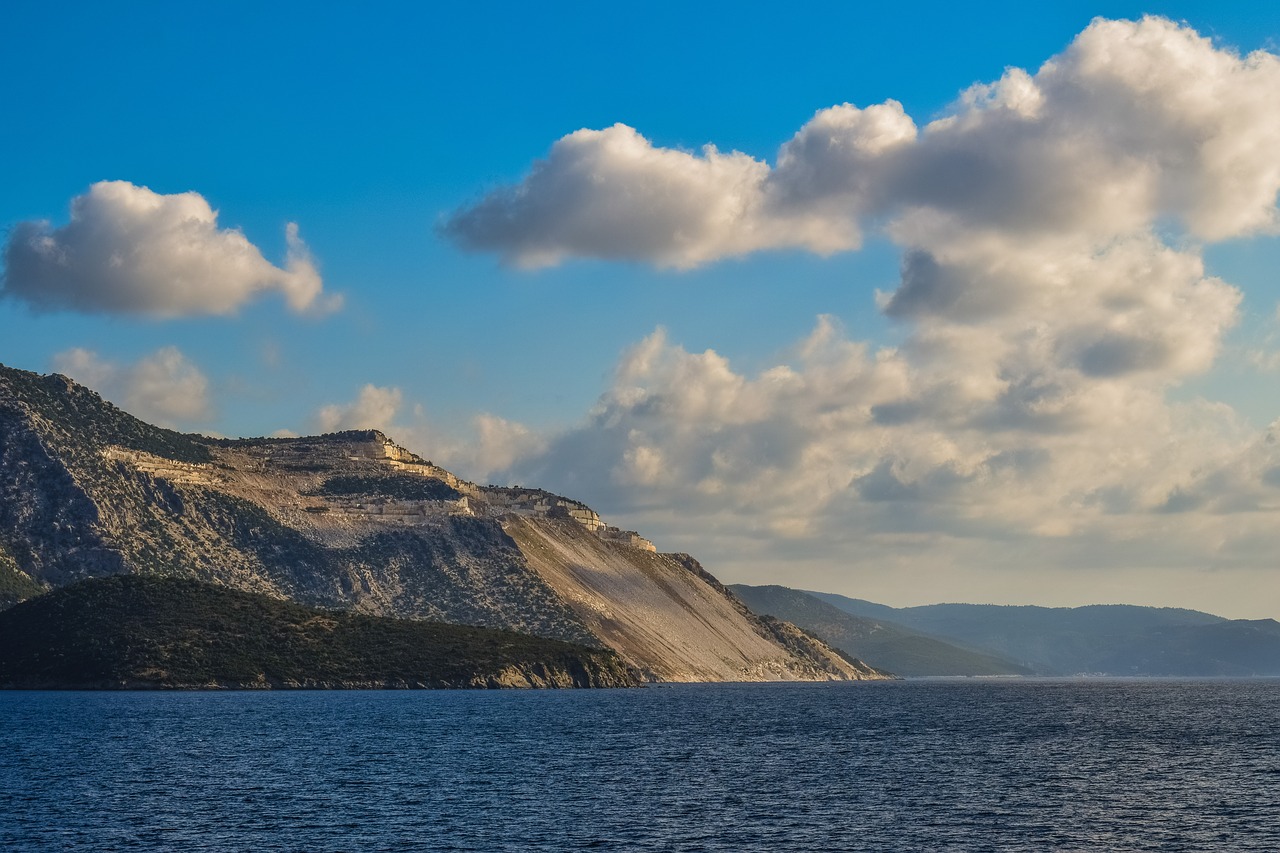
(1052, 293)
(128, 250)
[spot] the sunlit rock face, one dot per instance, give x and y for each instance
(351, 520)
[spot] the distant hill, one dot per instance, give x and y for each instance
(131, 631)
(879, 642)
(1110, 639)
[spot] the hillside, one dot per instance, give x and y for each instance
(1097, 639)
(882, 643)
(352, 521)
(593, 576)
(132, 631)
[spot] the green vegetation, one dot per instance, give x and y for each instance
(15, 584)
(404, 487)
(146, 632)
(294, 564)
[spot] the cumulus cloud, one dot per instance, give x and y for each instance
(128, 250)
(373, 408)
(610, 193)
(1052, 294)
(1135, 121)
(801, 463)
(164, 387)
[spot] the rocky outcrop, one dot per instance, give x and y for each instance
(350, 520)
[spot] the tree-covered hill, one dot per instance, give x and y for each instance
(151, 632)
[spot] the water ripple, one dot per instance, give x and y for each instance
(933, 766)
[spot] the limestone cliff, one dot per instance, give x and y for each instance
(351, 520)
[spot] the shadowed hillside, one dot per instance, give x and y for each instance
(131, 632)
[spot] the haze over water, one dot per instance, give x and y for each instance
(939, 765)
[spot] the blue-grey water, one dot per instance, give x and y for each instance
(1104, 765)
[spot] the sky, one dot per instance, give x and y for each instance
(912, 303)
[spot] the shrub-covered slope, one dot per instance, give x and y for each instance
(15, 585)
(138, 632)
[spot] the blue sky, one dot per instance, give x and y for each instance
(372, 129)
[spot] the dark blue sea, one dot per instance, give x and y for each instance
(1105, 765)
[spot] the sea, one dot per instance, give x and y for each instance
(946, 765)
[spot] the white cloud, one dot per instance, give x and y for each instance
(611, 194)
(1052, 293)
(164, 387)
(373, 408)
(1133, 123)
(493, 444)
(867, 463)
(128, 250)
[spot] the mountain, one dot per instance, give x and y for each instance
(882, 643)
(131, 631)
(1111, 639)
(352, 521)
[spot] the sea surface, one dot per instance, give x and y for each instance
(965, 765)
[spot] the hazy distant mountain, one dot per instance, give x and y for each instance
(1110, 639)
(352, 521)
(879, 642)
